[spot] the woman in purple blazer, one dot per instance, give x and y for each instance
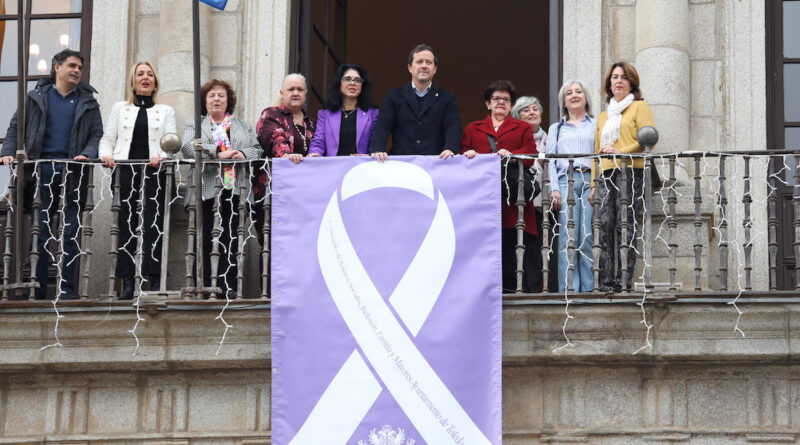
(344, 124)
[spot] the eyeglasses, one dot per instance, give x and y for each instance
(499, 99)
(355, 80)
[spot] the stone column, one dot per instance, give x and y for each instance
(175, 56)
(662, 59)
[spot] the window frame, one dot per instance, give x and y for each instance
(85, 43)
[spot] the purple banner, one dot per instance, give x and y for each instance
(386, 301)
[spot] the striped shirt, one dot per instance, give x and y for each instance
(571, 140)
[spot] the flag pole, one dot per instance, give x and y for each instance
(22, 64)
(198, 154)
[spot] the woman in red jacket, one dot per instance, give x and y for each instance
(509, 136)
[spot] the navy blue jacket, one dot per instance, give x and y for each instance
(431, 130)
(87, 128)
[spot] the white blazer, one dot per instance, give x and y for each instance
(118, 130)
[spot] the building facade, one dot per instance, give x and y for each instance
(684, 375)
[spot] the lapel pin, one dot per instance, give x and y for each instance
(437, 94)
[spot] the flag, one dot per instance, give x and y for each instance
(219, 4)
(386, 301)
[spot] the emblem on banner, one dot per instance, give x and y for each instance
(388, 436)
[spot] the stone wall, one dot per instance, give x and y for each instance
(699, 383)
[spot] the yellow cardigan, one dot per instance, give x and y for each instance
(636, 116)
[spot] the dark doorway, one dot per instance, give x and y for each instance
(476, 43)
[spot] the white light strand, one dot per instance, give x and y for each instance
(642, 277)
(139, 237)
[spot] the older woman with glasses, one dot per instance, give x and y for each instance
(344, 124)
(627, 112)
(529, 109)
(573, 134)
(502, 134)
(223, 137)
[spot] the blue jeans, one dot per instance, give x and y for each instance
(582, 277)
(49, 212)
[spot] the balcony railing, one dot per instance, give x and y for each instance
(707, 218)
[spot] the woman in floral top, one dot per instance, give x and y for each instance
(284, 131)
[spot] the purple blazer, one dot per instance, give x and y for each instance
(326, 137)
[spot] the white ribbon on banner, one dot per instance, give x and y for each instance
(390, 351)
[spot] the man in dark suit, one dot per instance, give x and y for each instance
(422, 118)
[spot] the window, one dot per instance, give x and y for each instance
(55, 25)
(783, 118)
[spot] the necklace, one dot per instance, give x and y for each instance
(302, 135)
(347, 113)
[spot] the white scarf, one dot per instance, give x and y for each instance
(610, 132)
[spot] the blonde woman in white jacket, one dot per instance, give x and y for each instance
(133, 131)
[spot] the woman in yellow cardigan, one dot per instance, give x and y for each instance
(616, 134)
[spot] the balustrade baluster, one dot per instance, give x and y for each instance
(519, 249)
(747, 199)
(672, 224)
(88, 231)
(215, 234)
(140, 228)
(9, 232)
(647, 230)
(596, 226)
(35, 232)
(114, 252)
(168, 174)
(191, 237)
(624, 242)
(244, 171)
(698, 225)
(723, 228)
(62, 221)
(569, 231)
(265, 233)
(772, 225)
(796, 219)
(547, 244)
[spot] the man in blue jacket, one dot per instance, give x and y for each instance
(62, 121)
(422, 118)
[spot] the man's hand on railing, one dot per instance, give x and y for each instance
(446, 154)
(380, 156)
(7, 160)
(80, 158)
(555, 200)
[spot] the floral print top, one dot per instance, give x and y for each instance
(278, 134)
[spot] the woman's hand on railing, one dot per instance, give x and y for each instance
(230, 154)
(7, 160)
(155, 160)
(313, 155)
(470, 154)
(380, 156)
(294, 157)
(555, 200)
(503, 152)
(608, 150)
(108, 160)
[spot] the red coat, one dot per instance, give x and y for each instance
(515, 136)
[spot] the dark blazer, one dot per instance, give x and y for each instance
(326, 138)
(431, 130)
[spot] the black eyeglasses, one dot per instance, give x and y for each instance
(499, 99)
(355, 80)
